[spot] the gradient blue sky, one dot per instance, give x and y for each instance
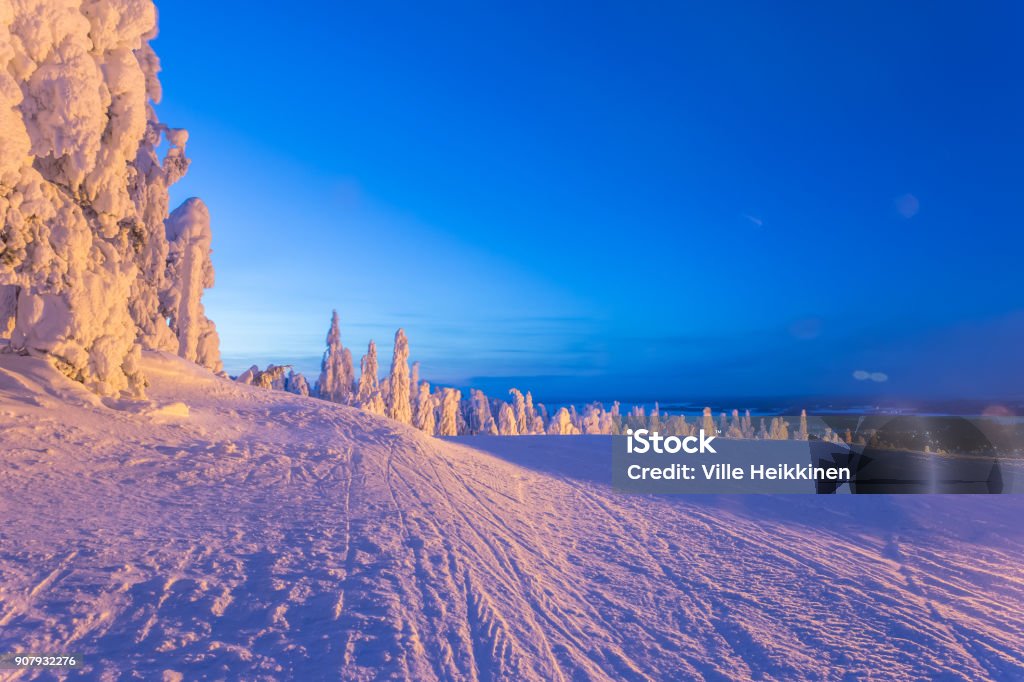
(646, 200)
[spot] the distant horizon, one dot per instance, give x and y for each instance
(498, 387)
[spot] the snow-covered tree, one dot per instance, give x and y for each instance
(612, 420)
(592, 418)
(449, 425)
(273, 377)
(519, 410)
(481, 420)
(335, 383)
(348, 373)
(735, 429)
(248, 377)
(414, 383)
(676, 425)
(561, 424)
(779, 429)
(374, 405)
(803, 433)
(296, 383)
(83, 194)
(507, 425)
(637, 418)
(189, 272)
(542, 421)
(368, 380)
(398, 405)
(423, 416)
(708, 422)
(534, 421)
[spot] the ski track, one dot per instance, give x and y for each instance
(269, 536)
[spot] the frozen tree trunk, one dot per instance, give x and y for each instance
(398, 405)
(190, 269)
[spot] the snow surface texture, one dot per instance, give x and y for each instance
(87, 272)
(232, 532)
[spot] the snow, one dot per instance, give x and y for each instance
(264, 535)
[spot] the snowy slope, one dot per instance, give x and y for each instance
(264, 535)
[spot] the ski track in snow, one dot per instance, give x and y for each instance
(269, 536)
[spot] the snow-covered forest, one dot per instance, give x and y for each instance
(444, 411)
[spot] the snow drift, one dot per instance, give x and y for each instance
(88, 274)
(239, 533)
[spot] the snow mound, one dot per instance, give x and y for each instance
(273, 536)
(34, 381)
(175, 410)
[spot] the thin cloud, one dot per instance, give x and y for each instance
(754, 219)
(907, 205)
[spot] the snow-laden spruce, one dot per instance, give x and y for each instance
(335, 383)
(398, 404)
(87, 277)
(368, 382)
(188, 265)
(425, 406)
(296, 383)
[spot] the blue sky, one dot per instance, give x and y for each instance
(658, 200)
